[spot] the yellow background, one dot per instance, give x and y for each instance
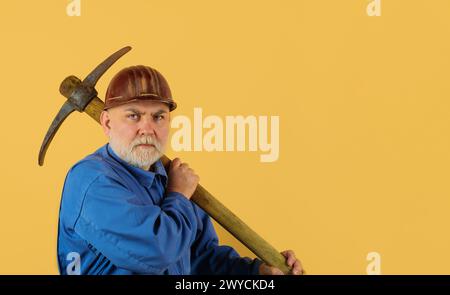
(364, 119)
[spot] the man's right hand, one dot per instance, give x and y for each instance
(182, 179)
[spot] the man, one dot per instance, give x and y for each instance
(122, 214)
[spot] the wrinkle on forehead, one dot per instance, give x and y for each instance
(142, 107)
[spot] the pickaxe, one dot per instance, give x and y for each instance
(82, 97)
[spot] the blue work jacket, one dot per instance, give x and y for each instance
(115, 218)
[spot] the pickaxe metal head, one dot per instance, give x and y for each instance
(79, 94)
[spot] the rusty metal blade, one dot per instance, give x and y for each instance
(63, 113)
(95, 75)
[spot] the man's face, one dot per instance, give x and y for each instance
(138, 131)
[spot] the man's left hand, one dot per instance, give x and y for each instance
(291, 261)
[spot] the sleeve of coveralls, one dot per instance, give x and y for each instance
(143, 238)
(207, 257)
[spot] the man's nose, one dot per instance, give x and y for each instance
(147, 126)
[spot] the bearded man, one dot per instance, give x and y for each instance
(121, 213)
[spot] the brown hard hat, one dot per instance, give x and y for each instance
(136, 83)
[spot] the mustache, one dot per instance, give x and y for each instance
(146, 140)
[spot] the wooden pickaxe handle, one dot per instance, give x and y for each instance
(203, 198)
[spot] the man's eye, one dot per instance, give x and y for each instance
(133, 116)
(159, 117)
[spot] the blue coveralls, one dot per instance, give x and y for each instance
(116, 219)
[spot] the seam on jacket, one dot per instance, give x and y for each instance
(114, 241)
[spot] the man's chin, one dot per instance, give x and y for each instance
(151, 160)
(146, 146)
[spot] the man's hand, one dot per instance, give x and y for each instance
(291, 261)
(182, 179)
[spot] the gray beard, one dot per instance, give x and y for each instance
(136, 156)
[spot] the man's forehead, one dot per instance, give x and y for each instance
(145, 106)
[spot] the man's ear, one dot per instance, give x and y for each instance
(105, 120)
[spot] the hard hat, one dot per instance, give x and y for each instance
(138, 83)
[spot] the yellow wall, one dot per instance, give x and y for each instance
(364, 119)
